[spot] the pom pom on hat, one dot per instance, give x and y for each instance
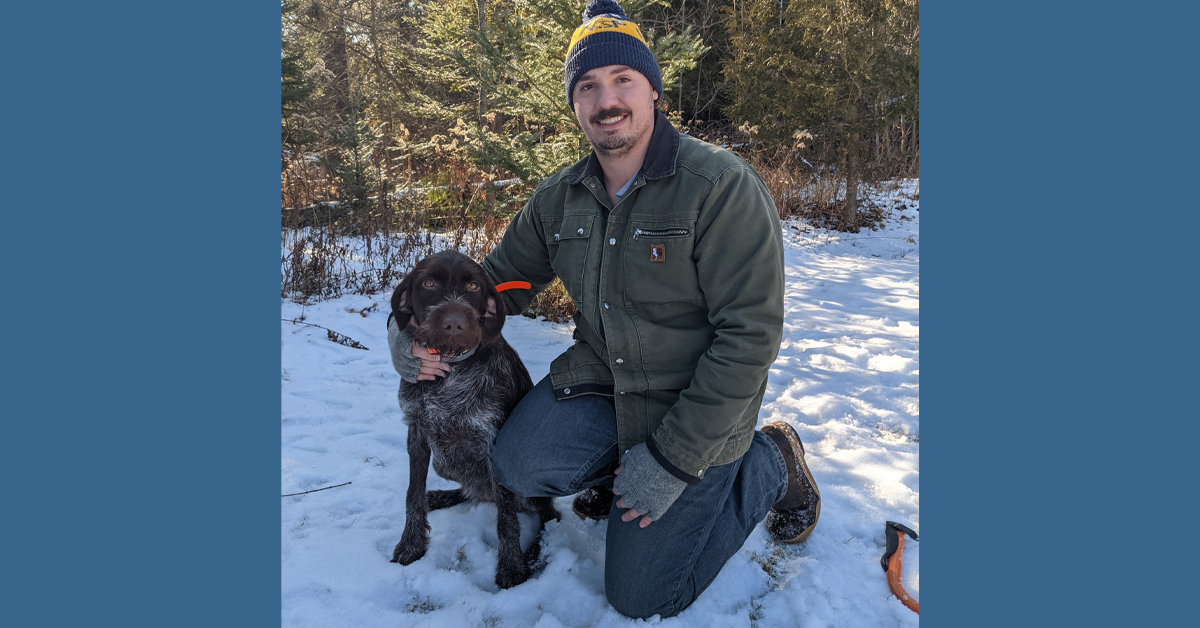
(597, 8)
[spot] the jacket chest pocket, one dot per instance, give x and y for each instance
(658, 264)
(567, 242)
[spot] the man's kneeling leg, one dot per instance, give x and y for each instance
(550, 448)
(662, 568)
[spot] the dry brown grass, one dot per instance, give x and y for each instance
(553, 304)
(328, 250)
(812, 195)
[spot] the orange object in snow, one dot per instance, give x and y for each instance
(893, 562)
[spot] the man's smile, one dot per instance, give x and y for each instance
(612, 120)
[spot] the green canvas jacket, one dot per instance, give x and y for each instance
(679, 292)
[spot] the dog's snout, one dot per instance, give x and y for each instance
(454, 323)
(449, 327)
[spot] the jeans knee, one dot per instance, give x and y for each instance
(506, 466)
(519, 468)
(636, 600)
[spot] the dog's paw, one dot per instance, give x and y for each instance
(408, 553)
(511, 575)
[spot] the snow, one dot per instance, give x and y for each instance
(847, 378)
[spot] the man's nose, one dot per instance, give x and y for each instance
(606, 98)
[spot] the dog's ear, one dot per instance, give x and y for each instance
(402, 309)
(492, 320)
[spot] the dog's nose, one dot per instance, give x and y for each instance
(454, 324)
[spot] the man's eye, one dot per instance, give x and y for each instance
(584, 88)
(429, 283)
(473, 287)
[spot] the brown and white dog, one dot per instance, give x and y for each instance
(452, 421)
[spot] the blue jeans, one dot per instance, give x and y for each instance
(551, 448)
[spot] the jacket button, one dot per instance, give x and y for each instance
(620, 361)
(700, 473)
(592, 184)
(612, 240)
(606, 306)
(581, 231)
(566, 391)
(556, 237)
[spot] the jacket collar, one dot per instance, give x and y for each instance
(660, 156)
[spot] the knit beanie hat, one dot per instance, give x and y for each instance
(607, 37)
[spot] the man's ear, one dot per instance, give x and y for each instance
(492, 320)
(402, 309)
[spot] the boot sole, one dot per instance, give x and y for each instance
(807, 531)
(583, 516)
(789, 433)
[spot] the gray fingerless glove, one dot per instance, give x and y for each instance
(400, 343)
(645, 486)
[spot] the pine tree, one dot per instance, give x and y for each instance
(519, 122)
(839, 70)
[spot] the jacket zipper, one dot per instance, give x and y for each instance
(660, 233)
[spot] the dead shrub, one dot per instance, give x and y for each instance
(552, 304)
(814, 195)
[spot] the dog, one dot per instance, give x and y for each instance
(457, 312)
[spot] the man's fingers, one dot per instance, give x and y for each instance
(631, 514)
(620, 468)
(432, 366)
(421, 352)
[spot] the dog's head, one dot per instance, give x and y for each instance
(451, 301)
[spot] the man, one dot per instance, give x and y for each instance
(672, 251)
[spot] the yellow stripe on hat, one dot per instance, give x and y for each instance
(606, 25)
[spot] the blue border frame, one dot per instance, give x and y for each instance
(141, 449)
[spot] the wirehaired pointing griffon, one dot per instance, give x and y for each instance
(452, 421)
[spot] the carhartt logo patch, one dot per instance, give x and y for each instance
(658, 252)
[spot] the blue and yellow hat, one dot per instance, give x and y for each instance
(607, 37)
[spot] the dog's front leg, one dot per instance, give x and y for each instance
(511, 568)
(415, 538)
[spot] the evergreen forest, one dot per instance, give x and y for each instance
(442, 116)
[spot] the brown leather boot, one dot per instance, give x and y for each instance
(593, 503)
(793, 518)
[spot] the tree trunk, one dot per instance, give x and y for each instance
(483, 104)
(850, 211)
(333, 53)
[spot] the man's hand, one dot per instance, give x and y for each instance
(432, 366)
(647, 490)
(631, 514)
(412, 361)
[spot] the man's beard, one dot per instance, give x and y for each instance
(618, 145)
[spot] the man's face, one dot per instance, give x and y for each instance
(615, 108)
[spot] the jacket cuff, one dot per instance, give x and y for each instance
(400, 347)
(691, 480)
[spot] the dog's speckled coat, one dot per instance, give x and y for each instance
(453, 421)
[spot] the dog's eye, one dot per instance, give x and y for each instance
(473, 286)
(429, 283)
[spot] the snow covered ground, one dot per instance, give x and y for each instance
(847, 378)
